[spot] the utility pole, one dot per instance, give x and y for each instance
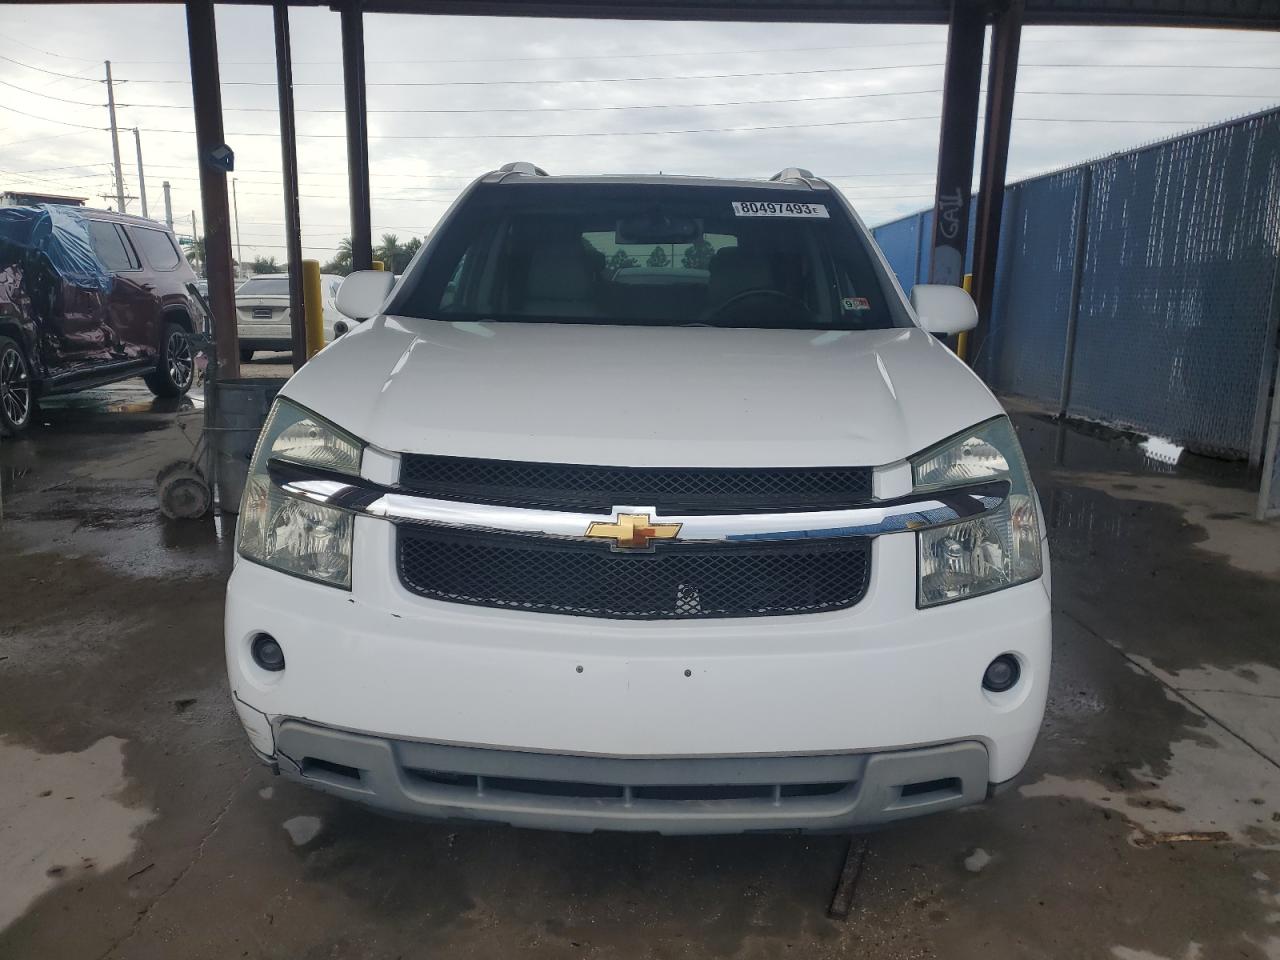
(142, 181)
(168, 208)
(195, 237)
(235, 206)
(108, 197)
(115, 140)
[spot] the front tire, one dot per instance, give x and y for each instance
(17, 398)
(176, 369)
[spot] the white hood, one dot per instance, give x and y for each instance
(643, 396)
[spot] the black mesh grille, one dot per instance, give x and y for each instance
(676, 581)
(670, 489)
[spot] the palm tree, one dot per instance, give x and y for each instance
(389, 252)
(195, 253)
(341, 262)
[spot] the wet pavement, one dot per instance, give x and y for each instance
(134, 823)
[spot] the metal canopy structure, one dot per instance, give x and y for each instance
(1236, 14)
(967, 21)
(1244, 14)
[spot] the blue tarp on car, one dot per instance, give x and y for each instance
(57, 234)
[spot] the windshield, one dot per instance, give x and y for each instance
(277, 286)
(640, 254)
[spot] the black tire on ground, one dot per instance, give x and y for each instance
(17, 396)
(246, 356)
(176, 367)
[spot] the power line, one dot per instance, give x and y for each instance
(605, 56)
(699, 106)
(61, 184)
(713, 76)
(686, 131)
(557, 58)
(44, 139)
(65, 123)
(484, 110)
(50, 53)
(583, 133)
(50, 96)
(626, 133)
(1142, 93)
(52, 73)
(490, 83)
(554, 58)
(71, 166)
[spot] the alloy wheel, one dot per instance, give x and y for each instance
(178, 350)
(15, 387)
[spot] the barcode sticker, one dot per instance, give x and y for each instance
(769, 208)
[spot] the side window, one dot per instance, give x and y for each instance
(156, 247)
(450, 297)
(111, 247)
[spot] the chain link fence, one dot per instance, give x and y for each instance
(1162, 317)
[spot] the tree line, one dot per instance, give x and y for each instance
(394, 255)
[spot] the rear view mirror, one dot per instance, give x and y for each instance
(363, 293)
(943, 309)
(657, 228)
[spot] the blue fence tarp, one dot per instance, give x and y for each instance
(1177, 318)
(58, 236)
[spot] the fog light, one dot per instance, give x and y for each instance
(267, 653)
(1002, 673)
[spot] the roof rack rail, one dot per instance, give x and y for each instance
(523, 167)
(794, 173)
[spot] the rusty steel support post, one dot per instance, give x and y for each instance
(960, 91)
(289, 170)
(1002, 74)
(206, 95)
(353, 82)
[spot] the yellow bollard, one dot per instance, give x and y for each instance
(962, 341)
(313, 306)
(379, 265)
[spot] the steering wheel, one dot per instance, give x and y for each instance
(756, 293)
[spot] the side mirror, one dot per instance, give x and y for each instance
(943, 309)
(363, 293)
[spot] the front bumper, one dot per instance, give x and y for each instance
(390, 668)
(672, 796)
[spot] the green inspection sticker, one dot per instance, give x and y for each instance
(856, 304)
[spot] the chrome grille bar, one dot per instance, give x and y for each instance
(915, 512)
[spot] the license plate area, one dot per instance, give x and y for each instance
(262, 313)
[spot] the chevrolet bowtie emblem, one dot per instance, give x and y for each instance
(633, 531)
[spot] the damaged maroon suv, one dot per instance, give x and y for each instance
(88, 297)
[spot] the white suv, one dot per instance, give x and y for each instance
(262, 313)
(643, 503)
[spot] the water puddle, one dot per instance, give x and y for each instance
(61, 819)
(1225, 514)
(302, 830)
(1216, 790)
(1193, 952)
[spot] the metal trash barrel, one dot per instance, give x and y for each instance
(239, 409)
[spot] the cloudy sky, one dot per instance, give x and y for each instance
(450, 98)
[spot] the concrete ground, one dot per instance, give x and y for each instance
(135, 824)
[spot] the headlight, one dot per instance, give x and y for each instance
(998, 550)
(297, 536)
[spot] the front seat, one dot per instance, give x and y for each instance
(560, 280)
(735, 270)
